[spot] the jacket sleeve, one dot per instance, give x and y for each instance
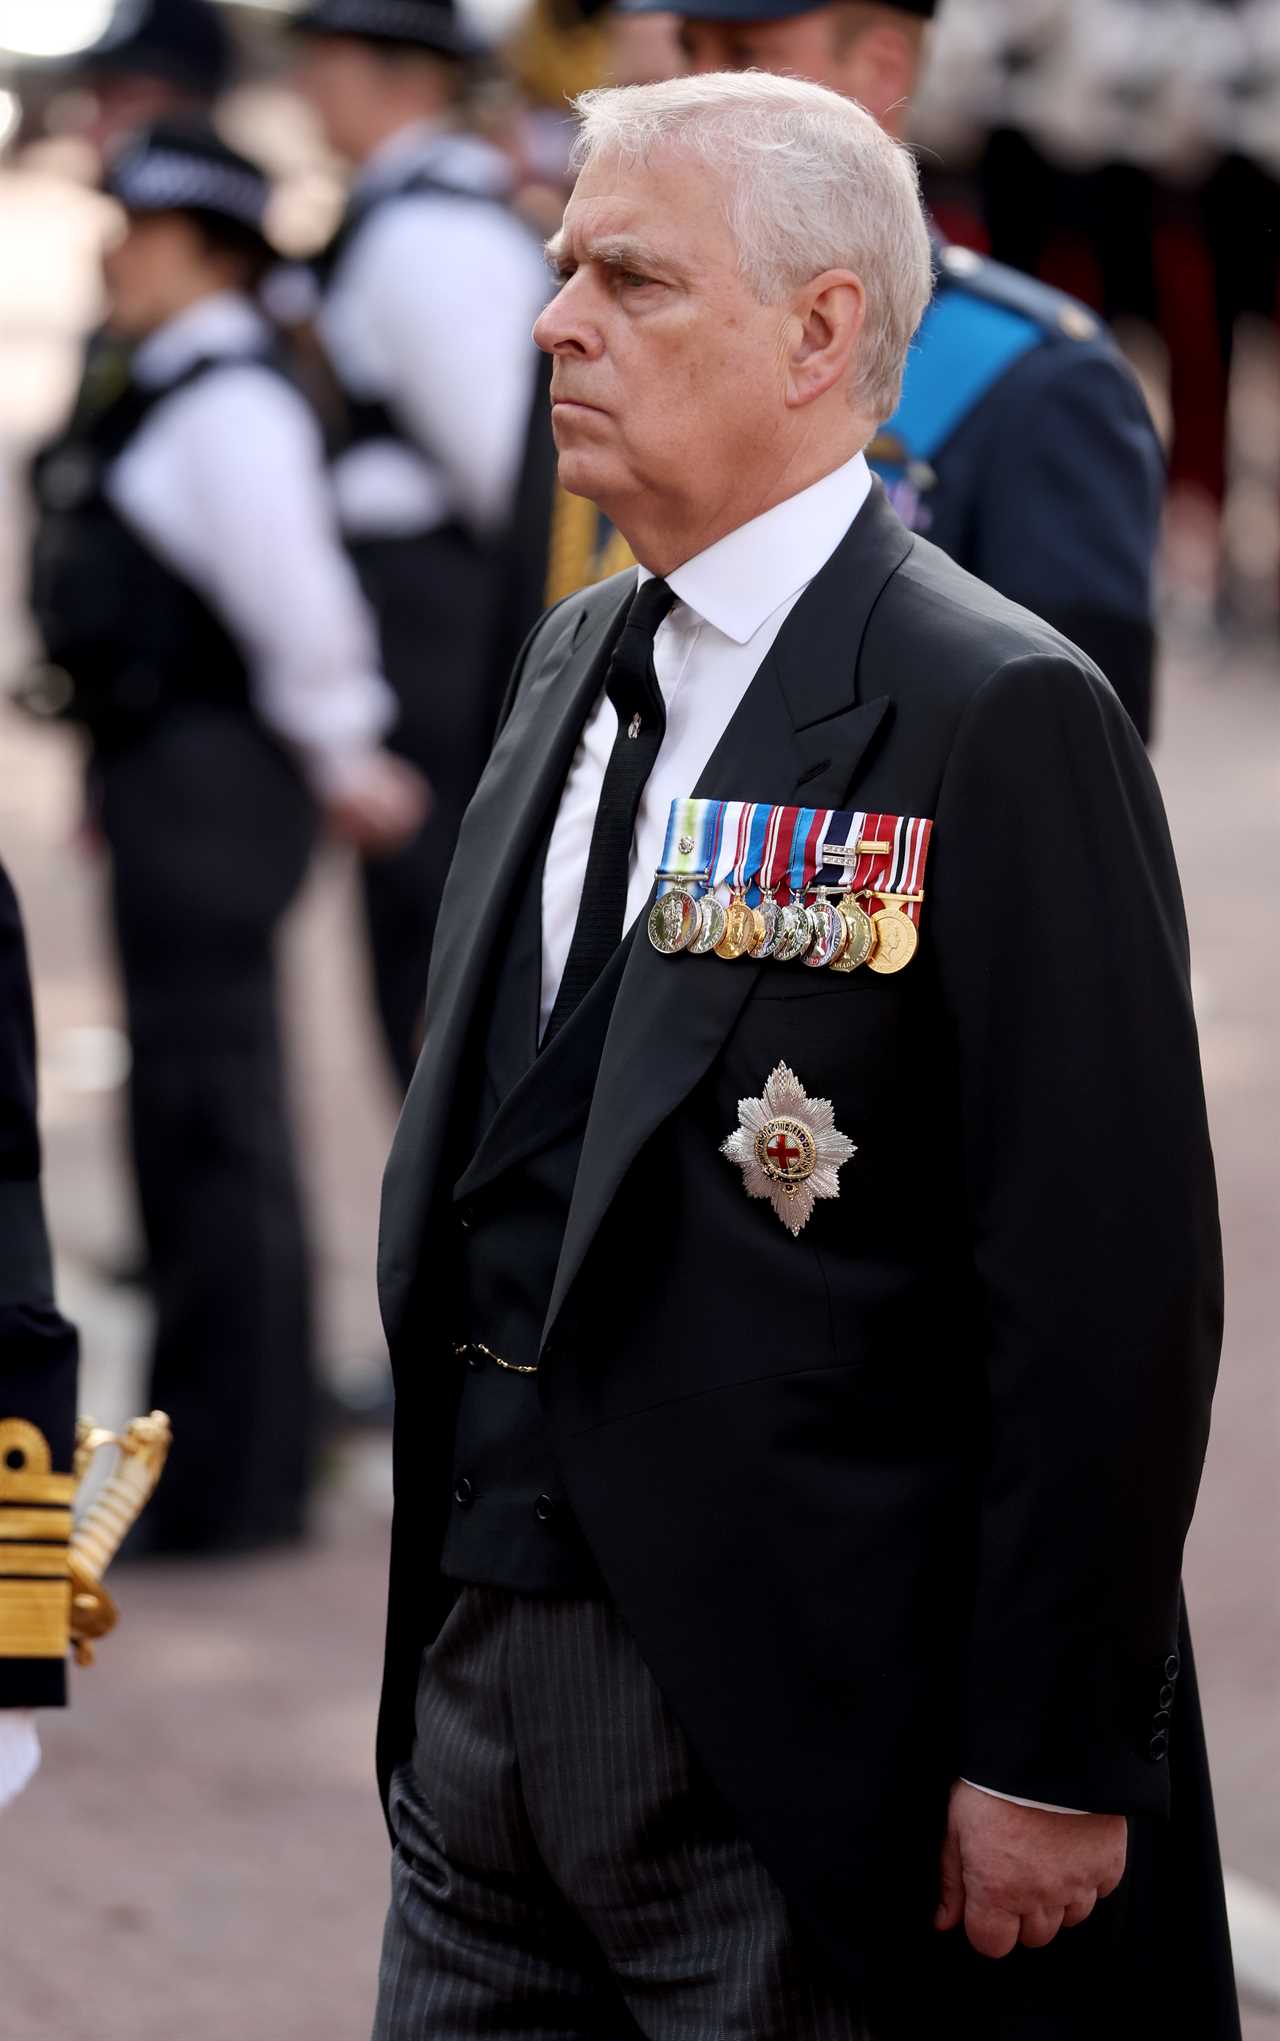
(37, 1372)
(1071, 526)
(1061, 947)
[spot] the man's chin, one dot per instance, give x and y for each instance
(582, 473)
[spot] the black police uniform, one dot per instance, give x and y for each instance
(453, 606)
(437, 598)
(210, 827)
(37, 1369)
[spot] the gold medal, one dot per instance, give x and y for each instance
(896, 941)
(739, 930)
(674, 921)
(862, 936)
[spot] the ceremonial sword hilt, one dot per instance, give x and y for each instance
(103, 1528)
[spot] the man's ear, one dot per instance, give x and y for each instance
(823, 334)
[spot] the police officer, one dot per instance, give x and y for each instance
(433, 433)
(1022, 446)
(156, 58)
(37, 1395)
(192, 589)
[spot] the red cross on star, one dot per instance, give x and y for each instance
(782, 1152)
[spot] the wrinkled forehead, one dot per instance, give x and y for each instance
(671, 206)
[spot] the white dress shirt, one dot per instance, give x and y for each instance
(226, 482)
(731, 602)
(430, 310)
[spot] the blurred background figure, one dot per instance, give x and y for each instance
(37, 1394)
(197, 608)
(156, 58)
(1127, 151)
(429, 291)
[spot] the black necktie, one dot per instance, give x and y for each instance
(632, 686)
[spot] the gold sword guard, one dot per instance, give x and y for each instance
(100, 1532)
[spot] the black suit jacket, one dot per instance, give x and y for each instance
(37, 1346)
(902, 1498)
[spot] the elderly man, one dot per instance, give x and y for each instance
(799, 1253)
(1021, 444)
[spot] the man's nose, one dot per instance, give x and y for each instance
(563, 327)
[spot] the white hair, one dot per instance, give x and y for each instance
(813, 183)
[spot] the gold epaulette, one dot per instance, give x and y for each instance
(580, 554)
(35, 1532)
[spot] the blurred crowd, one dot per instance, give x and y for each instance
(282, 477)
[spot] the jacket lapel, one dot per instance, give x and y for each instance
(499, 835)
(800, 735)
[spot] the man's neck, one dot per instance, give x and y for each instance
(664, 536)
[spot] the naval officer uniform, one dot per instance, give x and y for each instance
(37, 1394)
(437, 379)
(207, 630)
(724, 1546)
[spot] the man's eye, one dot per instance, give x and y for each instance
(632, 279)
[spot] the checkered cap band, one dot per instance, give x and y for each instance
(165, 180)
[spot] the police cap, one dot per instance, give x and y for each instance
(431, 25)
(186, 42)
(761, 10)
(182, 166)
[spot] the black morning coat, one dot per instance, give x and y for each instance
(901, 1499)
(37, 1346)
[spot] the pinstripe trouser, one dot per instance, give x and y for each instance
(562, 1869)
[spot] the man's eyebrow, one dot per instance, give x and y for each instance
(613, 251)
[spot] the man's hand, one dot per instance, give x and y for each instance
(379, 807)
(1013, 1874)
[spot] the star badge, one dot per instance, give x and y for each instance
(788, 1148)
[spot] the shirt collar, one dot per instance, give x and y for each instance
(225, 323)
(743, 578)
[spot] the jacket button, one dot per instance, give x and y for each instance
(466, 1217)
(1166, 1695)
(1172, 1666)
(1158, 1748)
(544, 1508)
(464, 1494)
(1160, 1722)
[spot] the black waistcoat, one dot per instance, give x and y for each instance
(131, 636)
(510, 1525)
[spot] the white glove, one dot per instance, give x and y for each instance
(19, 1752)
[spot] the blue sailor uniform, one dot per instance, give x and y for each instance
(1024, 448)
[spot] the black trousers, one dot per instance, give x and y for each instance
(210, 830)
(435, 598)
(561, 1867)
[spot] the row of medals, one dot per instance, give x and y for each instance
(824, 933)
